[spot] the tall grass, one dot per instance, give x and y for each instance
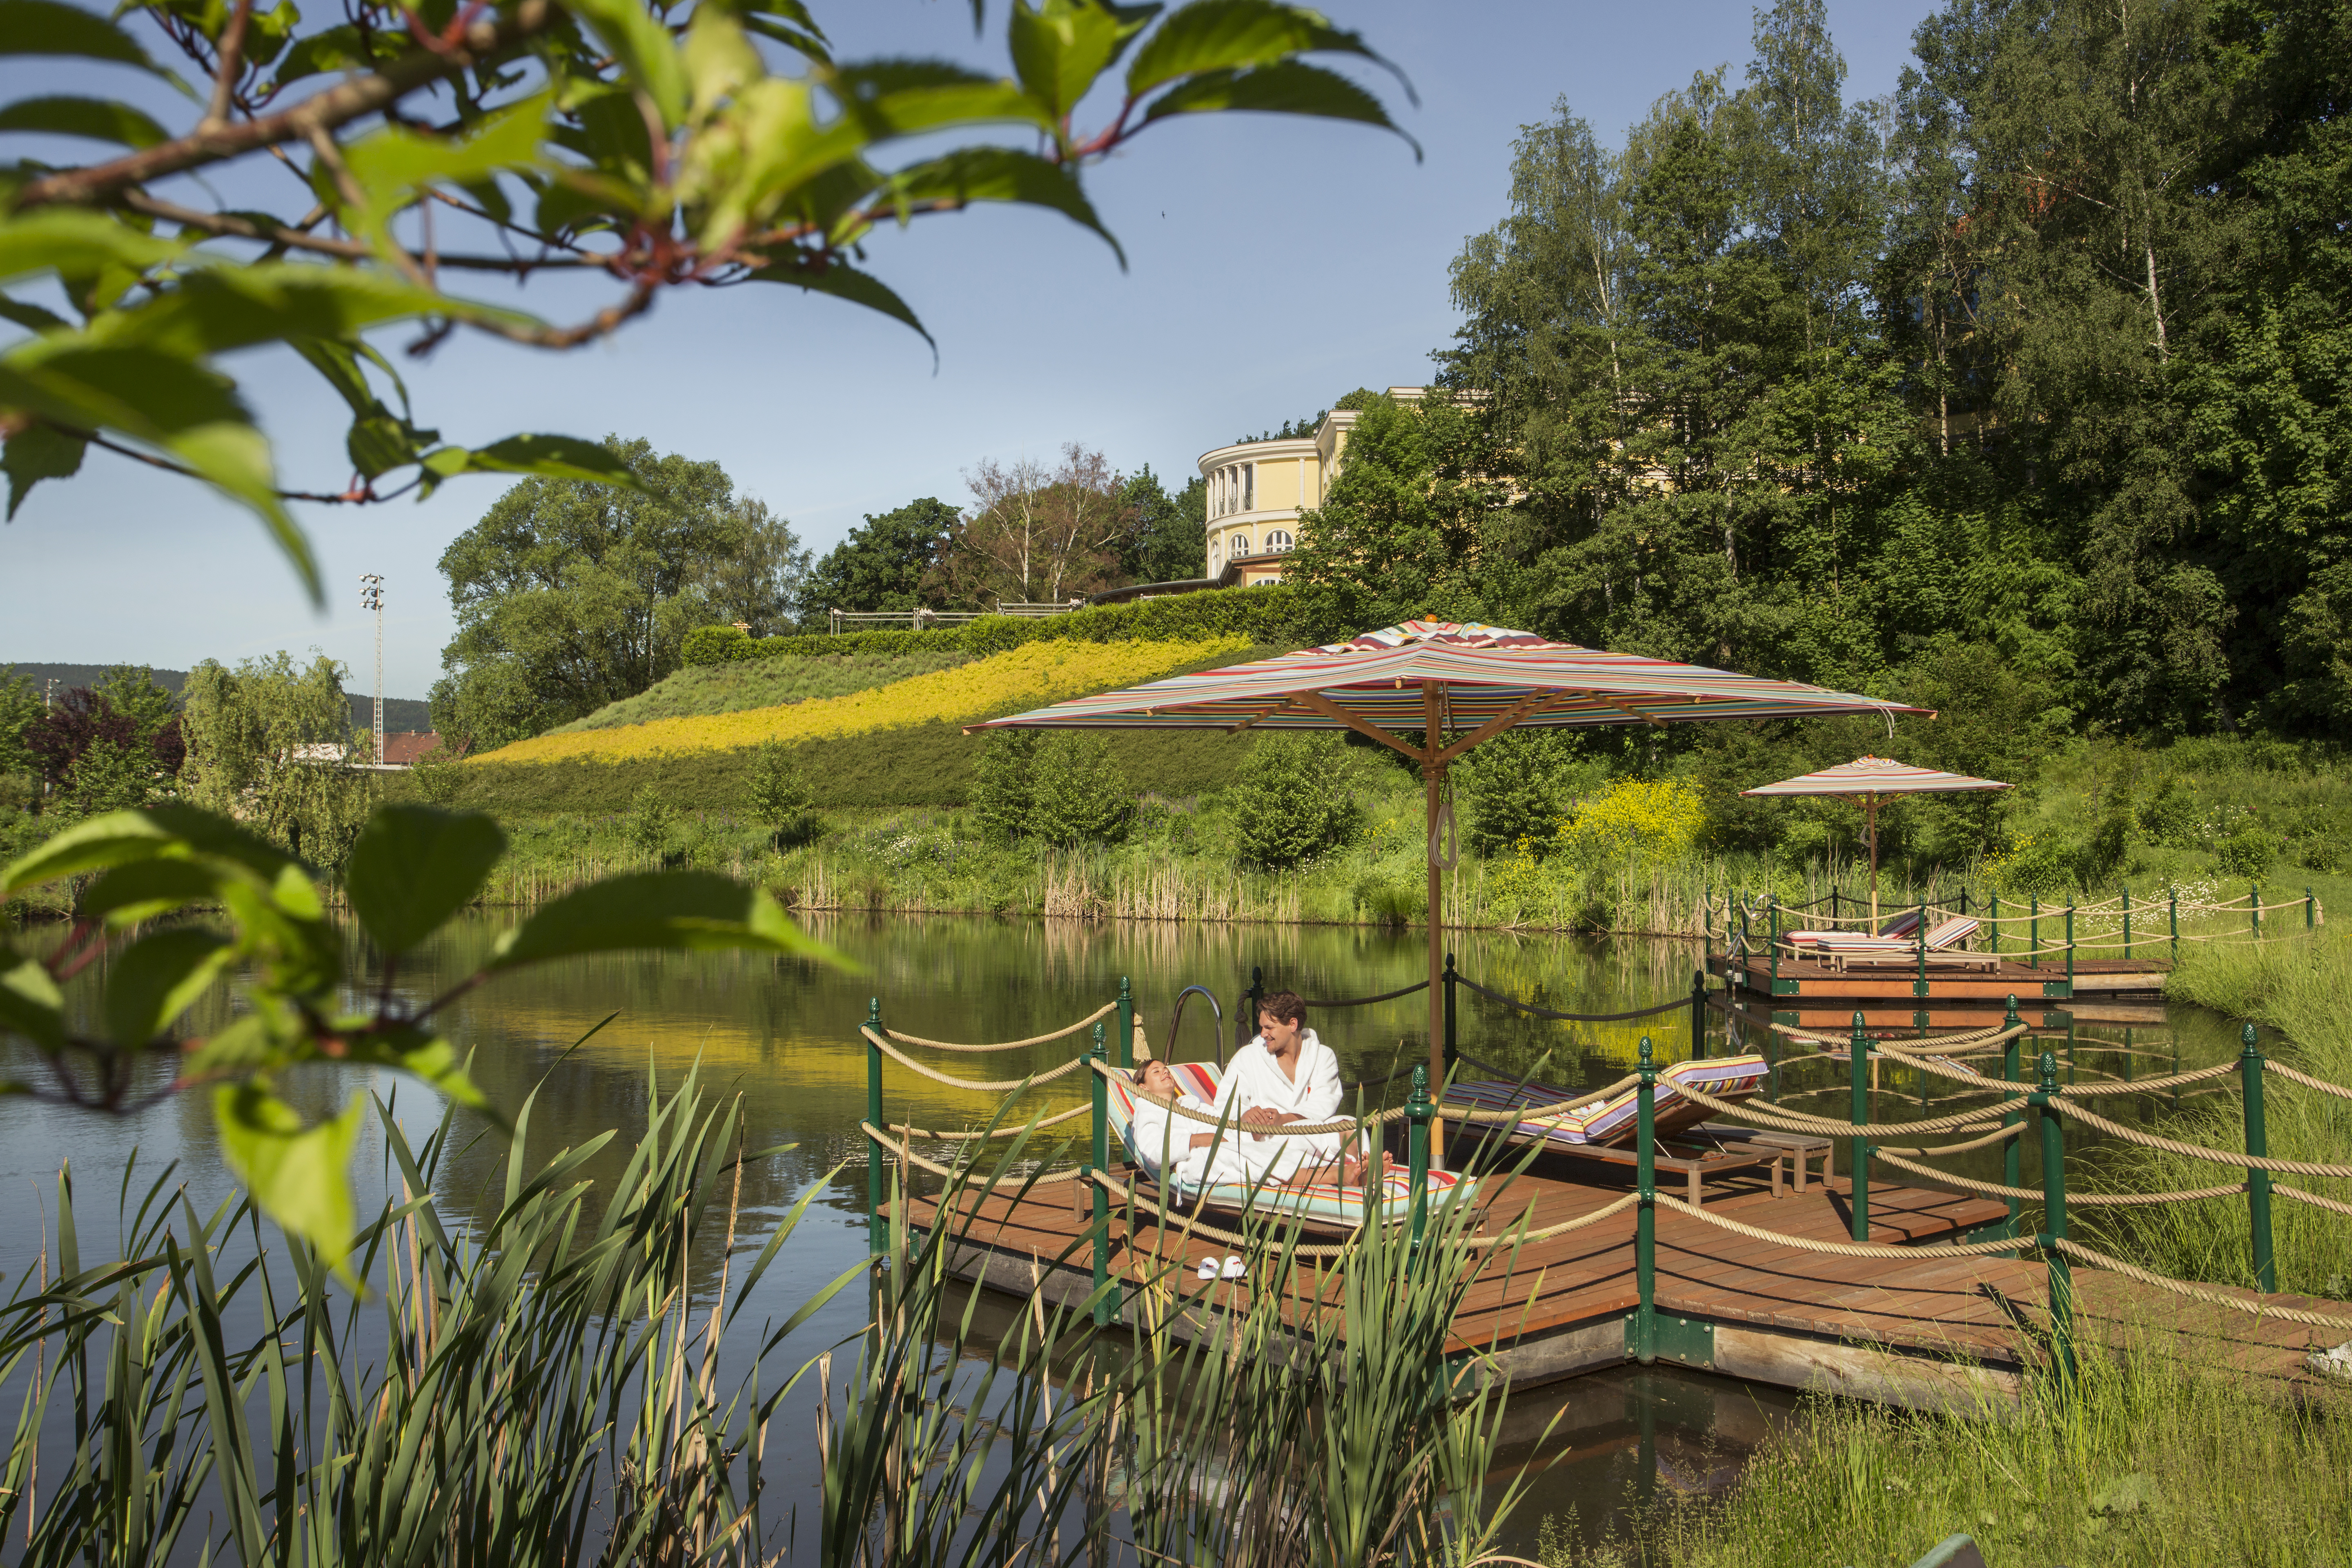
(2141, 1461)
(2303, 989)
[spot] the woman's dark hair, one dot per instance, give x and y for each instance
(1285, 1005)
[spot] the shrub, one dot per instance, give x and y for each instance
(1514, 786)
(780, 796)
(1635, 821)
(651, 820)
(2247, 852)
(2040, 866)
(1291, 801)
(2169, 818)
(435, 777)
(1004, 782)
(1080, 795)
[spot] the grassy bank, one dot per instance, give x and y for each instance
(2145, 1462)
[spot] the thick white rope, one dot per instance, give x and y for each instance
(904, 1038)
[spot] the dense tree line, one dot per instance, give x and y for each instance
(2030, 378)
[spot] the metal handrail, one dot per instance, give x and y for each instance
(1176, 1019)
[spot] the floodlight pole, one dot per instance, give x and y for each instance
(371, 598)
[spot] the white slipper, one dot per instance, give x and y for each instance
(1207, 1268)
(1235, 1269)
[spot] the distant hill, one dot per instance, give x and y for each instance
(399, 712)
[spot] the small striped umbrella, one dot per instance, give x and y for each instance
(1872, 780)
(1441, 679)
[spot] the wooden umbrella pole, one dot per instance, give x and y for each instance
(1432, 777)
(1870, 810)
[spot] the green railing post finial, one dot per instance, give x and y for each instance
(1126, 1025)
(1857, 1059)
(1416, 1111)
(2053, 1219)
(1451, 1037)
(1645, 1214)
(877, 1238)
(2258, 1181)
(2012, 1156)
(1101, 1167)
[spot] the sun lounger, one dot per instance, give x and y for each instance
(1604, 1122)
(1324, 1204)
(1899, 927)
(1942, 946)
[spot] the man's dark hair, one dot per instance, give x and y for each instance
(1285, 1005)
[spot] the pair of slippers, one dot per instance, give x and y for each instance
(1232, 1269)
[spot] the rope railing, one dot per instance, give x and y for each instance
(1367, 1001)
(2252, 1161)
(1001, 1086)
(1106, 1010)
(1535, 1011)
(2261, 1309)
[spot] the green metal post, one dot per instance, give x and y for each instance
(1645, 1216)
(1257, 1000)
(2012, 1158)
(1773, 900)
(1706, 920)
(1919, 986)
(2126, 923)
(2070, 952)
(1126, 1053)
(1452, 1039)
(1698, 1016)
(2310, 909)
(2258, 1181)
(2175, 904)
(2034, 933)
(2255, 906)
(1857, 1061)
(877, 1235)
(2053, 1220)
(1102, 1199)
(2070, 1047)
(1993, 918)
(1416, 1111)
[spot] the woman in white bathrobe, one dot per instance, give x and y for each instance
(1286, 1075)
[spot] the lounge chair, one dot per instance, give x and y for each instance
(1603, 1123)
(1324, 1204)
(1899, 926)
(1942, 948)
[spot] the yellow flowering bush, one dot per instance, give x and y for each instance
(1635, 821)
(1027, 677)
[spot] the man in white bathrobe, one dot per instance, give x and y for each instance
(1286, 1075)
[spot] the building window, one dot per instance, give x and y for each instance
(1277, 542)
(1241, 545)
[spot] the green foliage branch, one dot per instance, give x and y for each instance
(654, 146)
(108, 996)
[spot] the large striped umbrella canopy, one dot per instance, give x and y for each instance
(1871, 780)
(1438, 678)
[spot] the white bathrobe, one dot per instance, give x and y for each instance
(1253, 1082)
(1166, 1138)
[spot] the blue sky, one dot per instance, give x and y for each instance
(1272, 264)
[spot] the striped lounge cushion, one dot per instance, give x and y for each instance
(1603, 1122)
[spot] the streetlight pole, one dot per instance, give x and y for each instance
(371, 598)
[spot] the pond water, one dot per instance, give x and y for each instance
(782, 1034)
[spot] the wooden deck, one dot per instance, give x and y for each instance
(1931, 1334)
(1812, 994)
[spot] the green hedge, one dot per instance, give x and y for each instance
(1277, 613)
(922, 765)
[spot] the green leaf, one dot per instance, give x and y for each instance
(906, 97)
(422, 1053)
(1290, 88)
(1060, 49)
(393, 165)
(299, 1175)
(337, 49)
(124, 837)
(30, 1003)
(254, 1042)
(693, 910)
(788, 24)
(647, 53)
(554, 457)
(48, 28)
(157, 978)
(32, 318)
(97, 119)
(842, 281)
(66, 240)
(1004, 174)
(146, 889)
(216, 308)
(414, 867)
(1238, 35)
(35, 453)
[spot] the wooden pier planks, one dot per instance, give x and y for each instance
(1781, 1313)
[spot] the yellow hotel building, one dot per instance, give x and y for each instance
(1257, 489)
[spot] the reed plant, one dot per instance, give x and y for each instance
(2142, 1459)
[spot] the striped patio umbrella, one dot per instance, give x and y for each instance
(1455, 684)
(1872, 780)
